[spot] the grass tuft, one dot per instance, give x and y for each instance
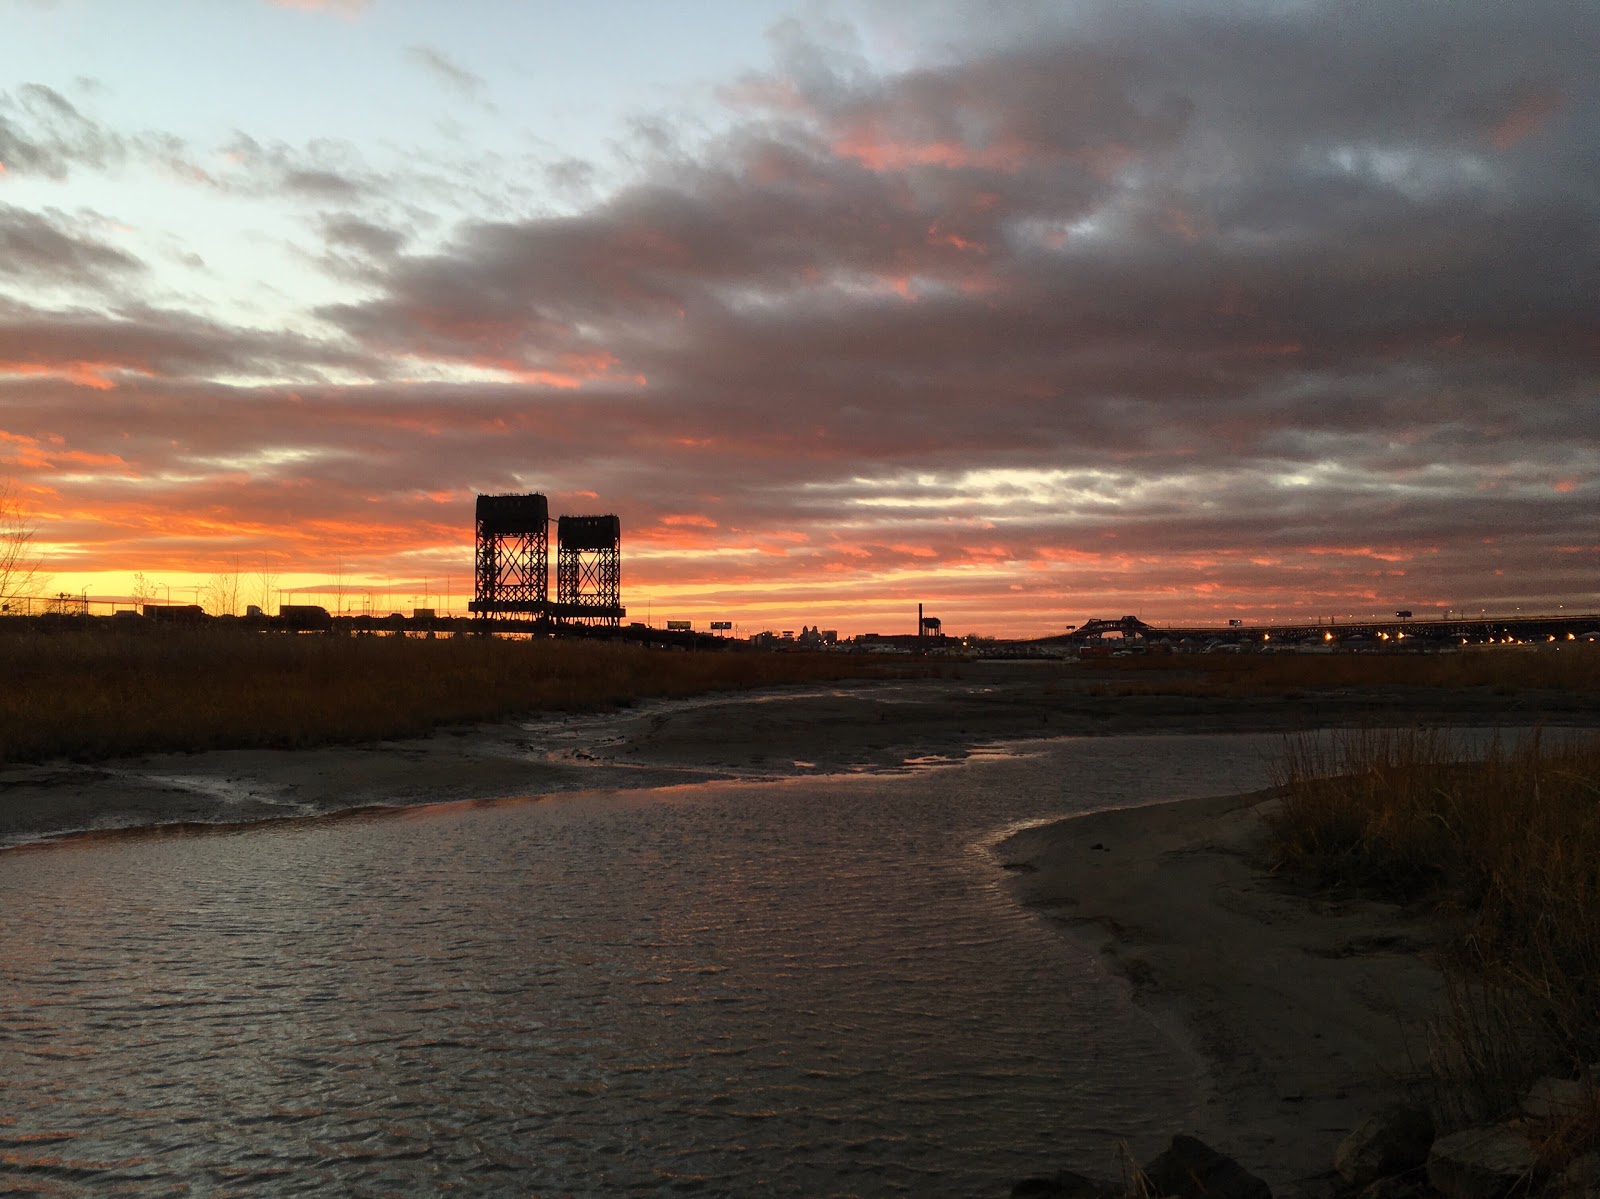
(1506, 846)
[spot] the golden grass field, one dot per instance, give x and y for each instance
(99, 694)
(1572, 667)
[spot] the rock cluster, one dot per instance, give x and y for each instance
(1393, 1154)
(1187, 1169)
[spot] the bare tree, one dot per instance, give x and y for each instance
(268, 578)
(19, 566)
(143, 591)
(222, 591)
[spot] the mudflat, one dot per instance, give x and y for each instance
(850, 726)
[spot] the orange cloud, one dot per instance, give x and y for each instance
(571, 371)
(30, 452)
(1176, 220)
(1359, 551)
(1526, 118)
(1061, 553)
(939, 237)
(882, 154)
(85, 374)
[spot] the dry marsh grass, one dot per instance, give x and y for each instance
(1570, 667)
(97, 695)
(1506, 846)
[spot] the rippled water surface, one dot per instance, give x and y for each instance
(807, 987)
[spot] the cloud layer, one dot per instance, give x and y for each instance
(1192, 310)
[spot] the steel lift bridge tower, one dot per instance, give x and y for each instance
(510, 568)
(589, 569)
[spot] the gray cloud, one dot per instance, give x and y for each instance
(1221, 241)
(323, 170)
(54, 248)
(446, 70)
(1189, 301)
(42, 132)
(355, 232)
(159, 344)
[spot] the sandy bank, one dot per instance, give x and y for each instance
(1306, 1014)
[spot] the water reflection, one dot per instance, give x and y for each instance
(810, 986)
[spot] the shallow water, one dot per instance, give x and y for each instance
(810, 986)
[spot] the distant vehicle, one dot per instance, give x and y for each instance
(1234, 624)
(308, 617)
(1404, 614)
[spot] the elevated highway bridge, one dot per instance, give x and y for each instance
(1427, 630)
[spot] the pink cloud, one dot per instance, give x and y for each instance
(1527, 117)
(343, 8)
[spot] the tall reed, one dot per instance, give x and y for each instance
(1569, 667)
(1505, 844)
(100, 694)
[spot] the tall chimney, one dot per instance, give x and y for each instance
(919, 620)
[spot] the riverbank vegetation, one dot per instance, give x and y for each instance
(1571, 667)
(97, 695)
(1506, 849)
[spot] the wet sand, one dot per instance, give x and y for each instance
(1303, 1014)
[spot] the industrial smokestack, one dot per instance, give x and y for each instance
(919, 620)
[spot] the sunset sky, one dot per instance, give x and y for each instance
(1029, 311)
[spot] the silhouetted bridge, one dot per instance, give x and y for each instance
(1424, 630)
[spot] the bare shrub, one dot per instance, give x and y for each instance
(19, 565)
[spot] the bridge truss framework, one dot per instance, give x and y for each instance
(511, 563)
(589, 569)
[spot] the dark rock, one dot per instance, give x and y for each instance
(1388, 1141)
(1410, 1185)
(1064, 1184)
(1580, 1180)
(1191, 1169)
(1482, 1163)
(1558, 1099)
(1326, 1185)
